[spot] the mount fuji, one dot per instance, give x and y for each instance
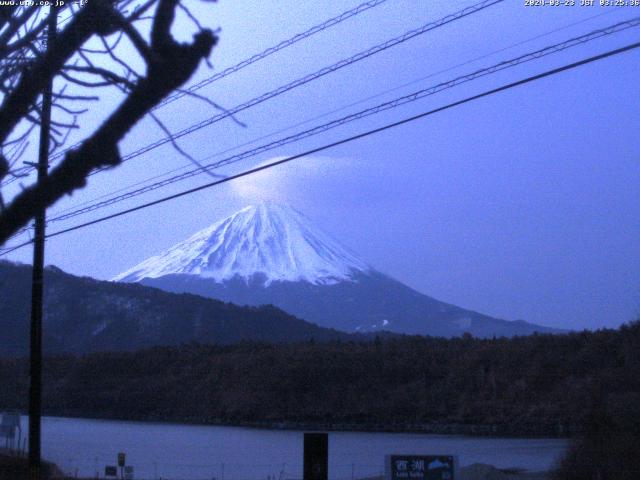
(272, 254)
(270, 241)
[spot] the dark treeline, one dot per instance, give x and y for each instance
(536, 385)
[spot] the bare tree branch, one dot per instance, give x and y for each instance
(169, 65)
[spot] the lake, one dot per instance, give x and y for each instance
(192, 452)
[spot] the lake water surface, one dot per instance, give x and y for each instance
(191, 452)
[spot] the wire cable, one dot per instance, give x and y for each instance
(229, 113)
(344, 107)
(363, 7)
(403, 100)
(621, 26)
(276, 48)
(307, 78)
(343, 141)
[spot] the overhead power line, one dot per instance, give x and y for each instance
(621, 26)
(309, 78)
(363, 7)
(344, 107)
(352, 138)
(316, 75)
(403, 100)
(276, 48)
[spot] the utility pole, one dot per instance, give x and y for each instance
(35, 358)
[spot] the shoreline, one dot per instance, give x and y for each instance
(12, 465)
(449, 429)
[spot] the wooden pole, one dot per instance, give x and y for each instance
(35, 358)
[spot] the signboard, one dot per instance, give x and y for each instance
(421, 467)
(121, 458)
(128, 473)
(110, 471)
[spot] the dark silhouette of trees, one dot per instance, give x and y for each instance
(27, 66)
(541, 385)
(609, 447)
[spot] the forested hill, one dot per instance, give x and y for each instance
(537, 385)
(85, 315)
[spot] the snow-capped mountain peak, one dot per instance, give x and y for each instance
(271, 240)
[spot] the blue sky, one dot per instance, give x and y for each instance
(523, 205)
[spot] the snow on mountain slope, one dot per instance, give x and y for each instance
(271, 254)
(269, 239)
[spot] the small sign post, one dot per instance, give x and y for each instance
(110, 471)
(121, 463)
(421, 467)
(128, 472)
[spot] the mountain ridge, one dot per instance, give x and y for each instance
(272, 254)
(83, 315)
